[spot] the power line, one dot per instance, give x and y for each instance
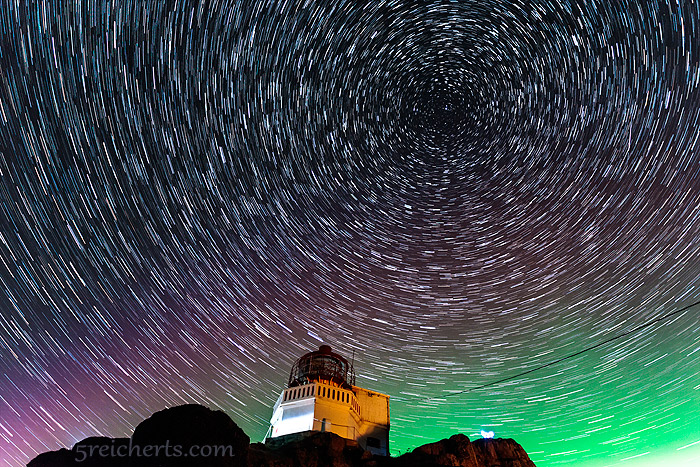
(576, 354)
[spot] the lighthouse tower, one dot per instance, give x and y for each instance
(321, 396)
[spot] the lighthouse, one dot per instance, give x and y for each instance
(321, 396)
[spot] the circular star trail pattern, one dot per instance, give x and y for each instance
(196, 193)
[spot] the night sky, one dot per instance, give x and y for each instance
(193, 194)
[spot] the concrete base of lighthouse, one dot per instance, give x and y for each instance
(280, 441)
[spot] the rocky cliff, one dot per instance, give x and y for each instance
(195, 436)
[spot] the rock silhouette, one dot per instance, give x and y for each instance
(79, 455)
(198, 431)
(458, 451)
(195, 436)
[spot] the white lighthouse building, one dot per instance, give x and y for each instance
(321, 396)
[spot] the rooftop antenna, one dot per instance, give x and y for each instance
(352, 365)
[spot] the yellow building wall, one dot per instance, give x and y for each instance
(375, 419)
(375, 406)
(336, 405)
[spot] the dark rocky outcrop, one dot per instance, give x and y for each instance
(319, 449)
(196, 431)
(172, 432)
(184, 436)
(60, 458)
(458, 451)
(90, 452)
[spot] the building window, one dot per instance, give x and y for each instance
(333, 394)
(373, 442)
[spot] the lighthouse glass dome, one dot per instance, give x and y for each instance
(322, 365)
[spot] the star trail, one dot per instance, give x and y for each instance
(195, 193)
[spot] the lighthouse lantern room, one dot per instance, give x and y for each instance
(321, 396)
